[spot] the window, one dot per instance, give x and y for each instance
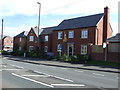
(20, 39)
(46, 49)
(59, 35)
(59, 47)
(84, 34)
(31, 48)
(20, 48)
(83, 49)
(31, 38)
(46, 38)
(71, 34)
(7, 41)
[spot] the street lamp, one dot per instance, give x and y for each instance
(39, 22)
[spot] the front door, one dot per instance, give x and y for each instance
(70, 49)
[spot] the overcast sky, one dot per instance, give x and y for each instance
(21, 15)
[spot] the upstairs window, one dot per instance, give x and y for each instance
(46, 38)
(31, 38)
(59, 35)
(20, 39)
(84, 34)
(71, 34)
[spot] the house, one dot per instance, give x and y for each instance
(46, 39)
(33, 39)
(7, 43)
(20, 41)
(76, 35)
(113, 44)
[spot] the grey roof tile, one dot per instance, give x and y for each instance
(80, 22)
(48, 30)
(115, 38)
(22, 34)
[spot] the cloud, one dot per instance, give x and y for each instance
(30, 7)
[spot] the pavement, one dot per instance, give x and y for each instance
(63, 64)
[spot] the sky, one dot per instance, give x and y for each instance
(21, 15)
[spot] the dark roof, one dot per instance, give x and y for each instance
(22, 34)
(47, 30)
(8, 37)
(80, 22)
(115, 38)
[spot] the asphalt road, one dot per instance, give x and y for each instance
(25, 75)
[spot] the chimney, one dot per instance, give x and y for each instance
(106, 21)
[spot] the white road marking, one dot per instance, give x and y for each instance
(36, 75)
(33, 80)
(55, 76)
(0, 70)
(79, 71)
(73, 85)
(10, 69)
(16, 66)
(98, 74)
(117, 77)
(64, 68)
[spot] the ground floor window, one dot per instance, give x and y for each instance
(59, 47)
(31, 48)
(20, 48)
(83, 49)
(46, 49)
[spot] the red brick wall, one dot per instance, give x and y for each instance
(78, 41)
(47, 43)
(23, 42)
(9, 41)
(32, 43)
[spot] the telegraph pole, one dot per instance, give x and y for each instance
(2, 36)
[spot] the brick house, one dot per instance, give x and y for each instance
(32, 39)
(46, 39)
(75, 36)
(20, 41)
(7, 43)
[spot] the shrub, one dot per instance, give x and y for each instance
(32, 54)
(5, 53)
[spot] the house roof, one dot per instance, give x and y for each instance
(115, 38)
(7, 36)
(22, 34)
(35, 29)
(80, 22)
(47, 30)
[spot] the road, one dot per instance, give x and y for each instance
(25, 75)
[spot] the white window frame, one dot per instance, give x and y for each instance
(20, 48)
(84, 34)
(84, 49)
(60, 35)
(46, 49)
(20, 39)
(71, 34)
(58, 48)
(46, 38)
(31, 48)
(31, 38)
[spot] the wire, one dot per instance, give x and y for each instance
(62, 6)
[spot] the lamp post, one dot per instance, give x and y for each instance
(39, 22)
